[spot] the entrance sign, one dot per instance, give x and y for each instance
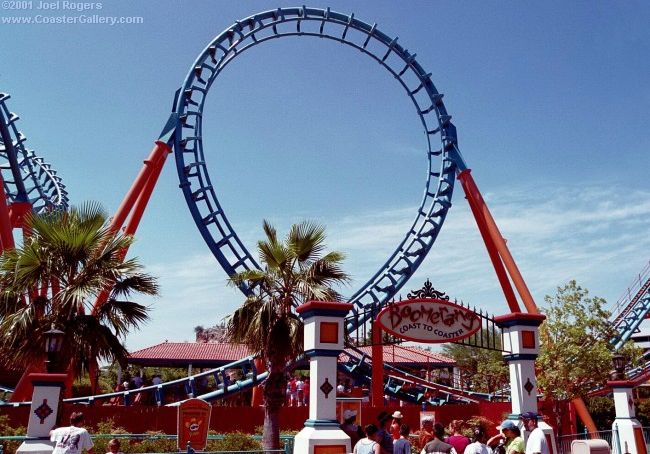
(429, 320)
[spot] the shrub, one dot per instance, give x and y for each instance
(108, 426)
(6, 430)
(235, 441)
(155, 442)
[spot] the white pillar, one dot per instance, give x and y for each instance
(520, 342)
(627, 434)
(324, 335)
(43, 413)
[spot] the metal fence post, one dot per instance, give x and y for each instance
(618, 440)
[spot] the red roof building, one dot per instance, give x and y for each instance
(212, 354)
(182, 354)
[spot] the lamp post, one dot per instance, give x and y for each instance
(46, 398)
(53, 343)
(619, 367)
(626, 428)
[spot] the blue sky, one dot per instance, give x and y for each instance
(550, 99)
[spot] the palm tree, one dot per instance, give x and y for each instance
(295, 271)
(67, 259)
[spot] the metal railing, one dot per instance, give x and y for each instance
(610, 436)
(564, 442)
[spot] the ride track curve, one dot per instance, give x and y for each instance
(27, 178)
(196, 184)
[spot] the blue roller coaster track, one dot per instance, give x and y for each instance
(632, 308)
(444, 160)
(27, 177)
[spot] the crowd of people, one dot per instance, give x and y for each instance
(298, 391)
(391, 436)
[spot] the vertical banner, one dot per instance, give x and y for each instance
(193, 424)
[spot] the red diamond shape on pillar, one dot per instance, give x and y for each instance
(43, 411)
(326, 388)
(529, 386)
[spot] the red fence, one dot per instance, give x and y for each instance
(140, 419)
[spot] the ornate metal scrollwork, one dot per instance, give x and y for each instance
(427, 291)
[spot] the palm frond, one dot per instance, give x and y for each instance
(273, 255)
(122, 316)
(135, 283)
(306, 240)
(69, 259)
(270, 232)
(247, 276)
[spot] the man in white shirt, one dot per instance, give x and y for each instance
(536, 443)
(300, 388)
(73, 439)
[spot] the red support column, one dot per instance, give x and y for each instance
(6, 235)
(583, 414)
(377, 366)
(257, 399)
(136, 200)
(477, 205)
(497, 243)
(17, 212)
(145, 195)
(138, 184)
(509, 262)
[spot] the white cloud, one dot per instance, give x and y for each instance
(554, 234)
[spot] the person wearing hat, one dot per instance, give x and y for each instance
(384, 436)
(396, 425)
(510, 436)
(514, 440)
(536, 443)
(350, 428)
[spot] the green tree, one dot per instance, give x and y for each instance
(486, 370)
(53, 279)
(576, 355)
(295, 271)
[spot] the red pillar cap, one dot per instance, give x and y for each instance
(324, 306)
